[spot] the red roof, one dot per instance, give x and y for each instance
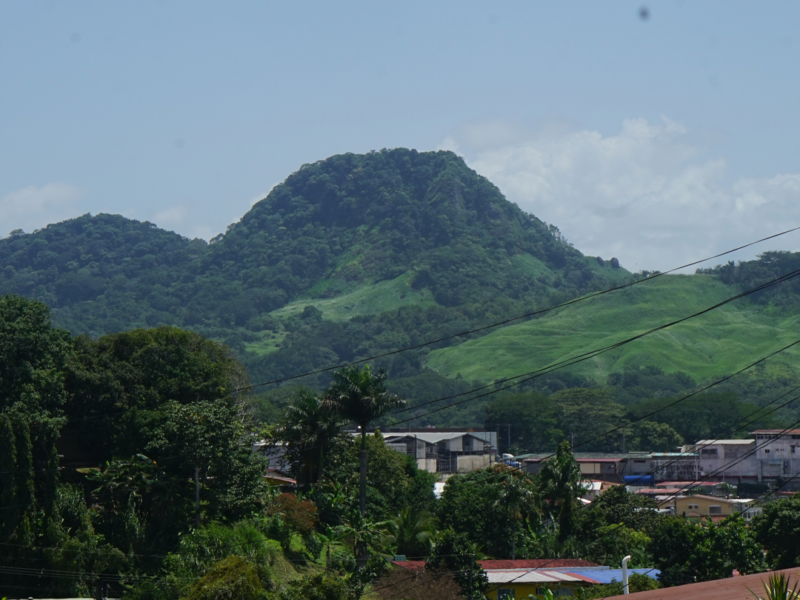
(411, 565)
(496, 565)
(733, 588)
(690, 483)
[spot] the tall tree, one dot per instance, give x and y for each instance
(560, 481)
(778, 531)
(308, 428)
(32, 361)
(359, 396)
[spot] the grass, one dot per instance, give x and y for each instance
(270, 342)
(717, 343)
(369, 299)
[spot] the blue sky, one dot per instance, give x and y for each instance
(656, 140)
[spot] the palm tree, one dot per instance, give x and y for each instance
(411, 532)
(518, 500)
(358, 396)
(308, 428)
(560, 482)
(777, 588)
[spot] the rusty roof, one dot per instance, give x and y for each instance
(526, 563)
(733, 588)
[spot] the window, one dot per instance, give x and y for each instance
(693, 507)
(708, 453)
(505, 594)
(565, 592)
(794, 449)
(714, 510)
(766, 451)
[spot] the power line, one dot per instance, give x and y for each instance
(593, 353)
(716, 472)
(512, 319)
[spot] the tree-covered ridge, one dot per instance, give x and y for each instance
(332, 226)
(779, 300)
(355, 218)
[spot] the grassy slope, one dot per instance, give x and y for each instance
(711, 345)
(369, 299)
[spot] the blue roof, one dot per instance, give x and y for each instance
(607, 575)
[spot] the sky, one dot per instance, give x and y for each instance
(656, 132)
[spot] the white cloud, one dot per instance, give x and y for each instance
(170, 217)
(34, 207)
(646, 195)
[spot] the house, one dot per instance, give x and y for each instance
(275, 452)
(516, 579)
(445, 450)
(732, 588)
(511, 584)
(520, 564)
(701, 506)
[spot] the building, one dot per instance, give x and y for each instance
(701, 506)
(732, 460)
(777, 453)
(732, 588)
(445, 450)
(517, 579)
(513, 584)
(770, 455)
(632, 468)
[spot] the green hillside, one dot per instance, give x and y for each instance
(359, 255)
(715, 344)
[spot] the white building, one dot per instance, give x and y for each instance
(777, 454)
(726, 459)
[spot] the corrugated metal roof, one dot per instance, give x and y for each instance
(782, 432)
(433, 438)
(726, 442)
(533, 576)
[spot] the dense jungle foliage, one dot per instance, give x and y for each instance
(129, 470)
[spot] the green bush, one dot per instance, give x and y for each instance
(231, 578)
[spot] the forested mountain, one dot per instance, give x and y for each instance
(396, 228)
(329, 228)
(360, 254)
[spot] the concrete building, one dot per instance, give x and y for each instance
(726, 460)
(770, 455)
(445, 450)
(700, 506)
(777, 453)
